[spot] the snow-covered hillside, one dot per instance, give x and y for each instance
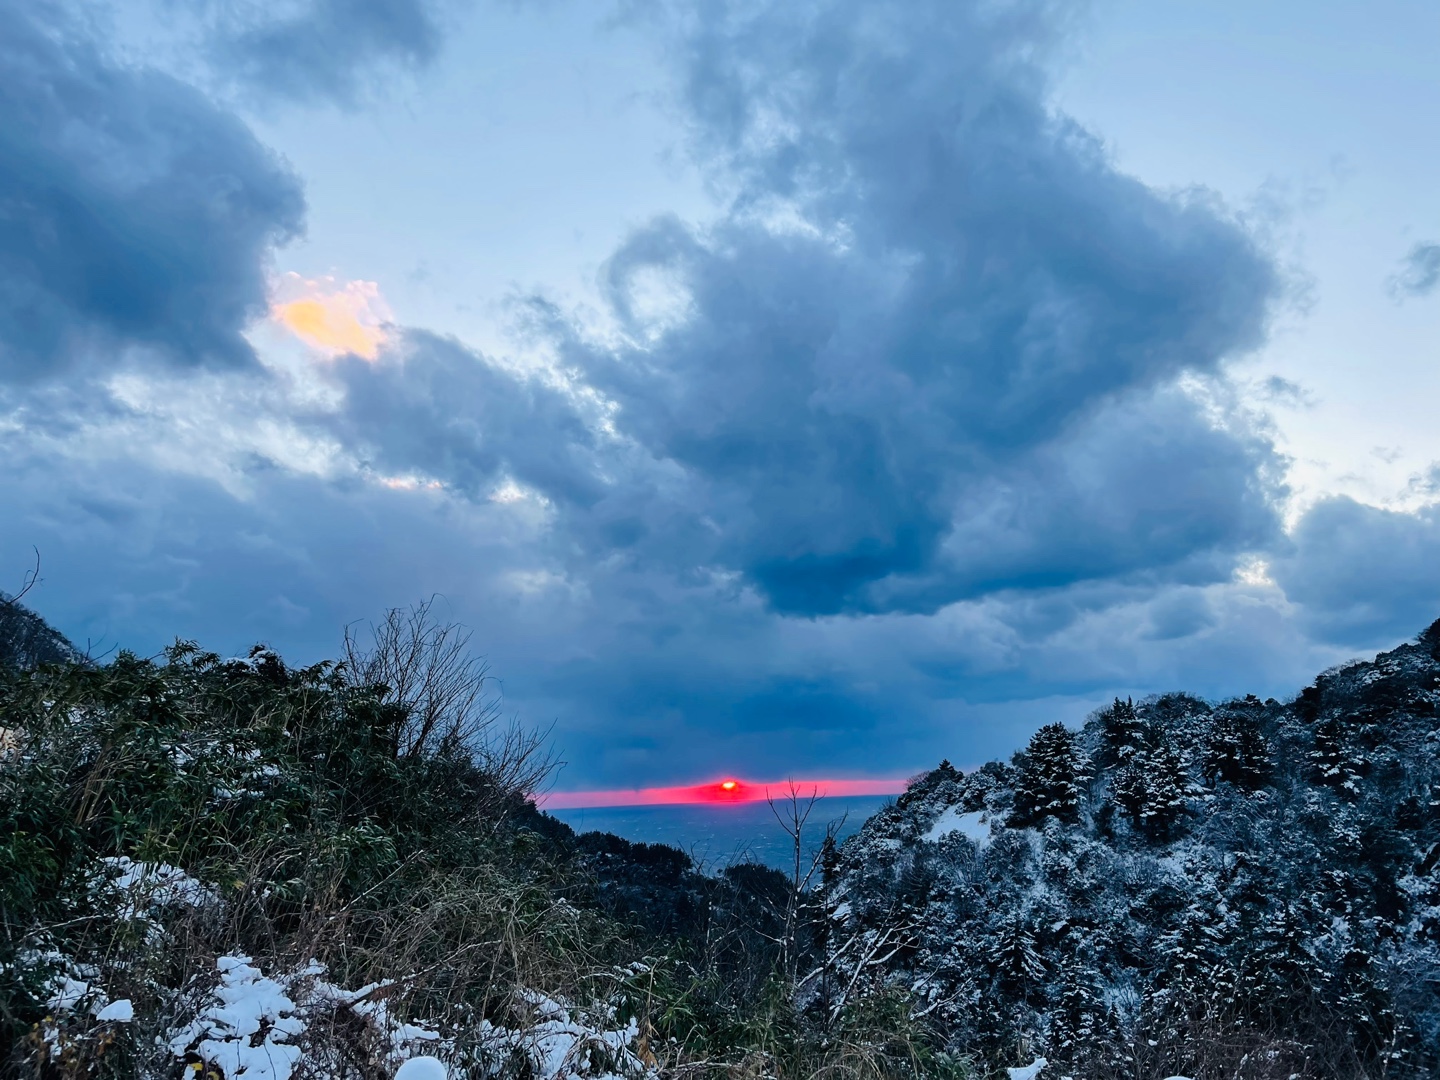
(1241, 889)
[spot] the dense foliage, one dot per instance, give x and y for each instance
(1241, 890)
(192, 829)
(1247, 889)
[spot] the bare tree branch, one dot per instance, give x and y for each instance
(425, 667)
(792, 811)
(30, 580)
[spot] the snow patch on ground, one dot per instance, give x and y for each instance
(561, 1044)
(368, 1004)
(74, 990)
(252, 1024)
(248, 1029)
(974, 825)
(66, 992)
(140, 887)
(252, 1027)
(119, 1012)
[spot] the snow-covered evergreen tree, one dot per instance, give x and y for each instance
(1333, 760)
(1014, 961)
(1222, 759)
(1235, 748)
(1121, 733)
(1048, 785)
(1084, 1032)
(1166, 787)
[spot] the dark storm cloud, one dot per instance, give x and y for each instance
(1419, 273)
(439, 408)
(1143, 484)
(132, 210)
(1363, 576)
(648, 678)
(928, 283)
(325, 50)
(139, 556)
(917, 422)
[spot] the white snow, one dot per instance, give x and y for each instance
(121, 1012)
(975, 825)
(422, 1068)
(563, 1045)
(250, 1027)
(246, 1030)
(68, 992)
(1029, 1072)
(371, 1008)
(74, 988)
(142, 886)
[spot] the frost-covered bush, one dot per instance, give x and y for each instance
(160, 818)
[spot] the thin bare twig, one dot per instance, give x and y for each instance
(28, 582)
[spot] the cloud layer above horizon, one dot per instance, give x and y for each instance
(928, 436)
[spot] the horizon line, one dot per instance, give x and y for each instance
(721, 791)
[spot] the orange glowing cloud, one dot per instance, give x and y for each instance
(728, 790)
(334, 318)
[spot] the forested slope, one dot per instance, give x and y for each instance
(269, 872)
(245, 869)
(1246, 888)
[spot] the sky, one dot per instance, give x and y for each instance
(806, 389)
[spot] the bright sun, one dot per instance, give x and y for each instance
(728, 785)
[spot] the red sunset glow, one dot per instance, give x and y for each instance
(728, 790)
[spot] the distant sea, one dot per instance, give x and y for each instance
(717, 835)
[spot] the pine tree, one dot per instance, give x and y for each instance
(1121, 733)
(1280, 967)
(1190, 950)
(1256, 756)
(1128, 791)
(1222, 758)
(1166, 787)
(1049, 781)
(1332, 762)
(1082, 1030)
(1014, 960)
(1235, 749)
(1366, 1003)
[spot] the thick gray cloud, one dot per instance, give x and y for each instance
(647, 678)
(973, 283)
(1419, 272)
(1363, 576)
(133, 212)
(325, 50)
(922, 441)
(438, 408)
(929, 351)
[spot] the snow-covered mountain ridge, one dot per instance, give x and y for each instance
(1239, 889)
